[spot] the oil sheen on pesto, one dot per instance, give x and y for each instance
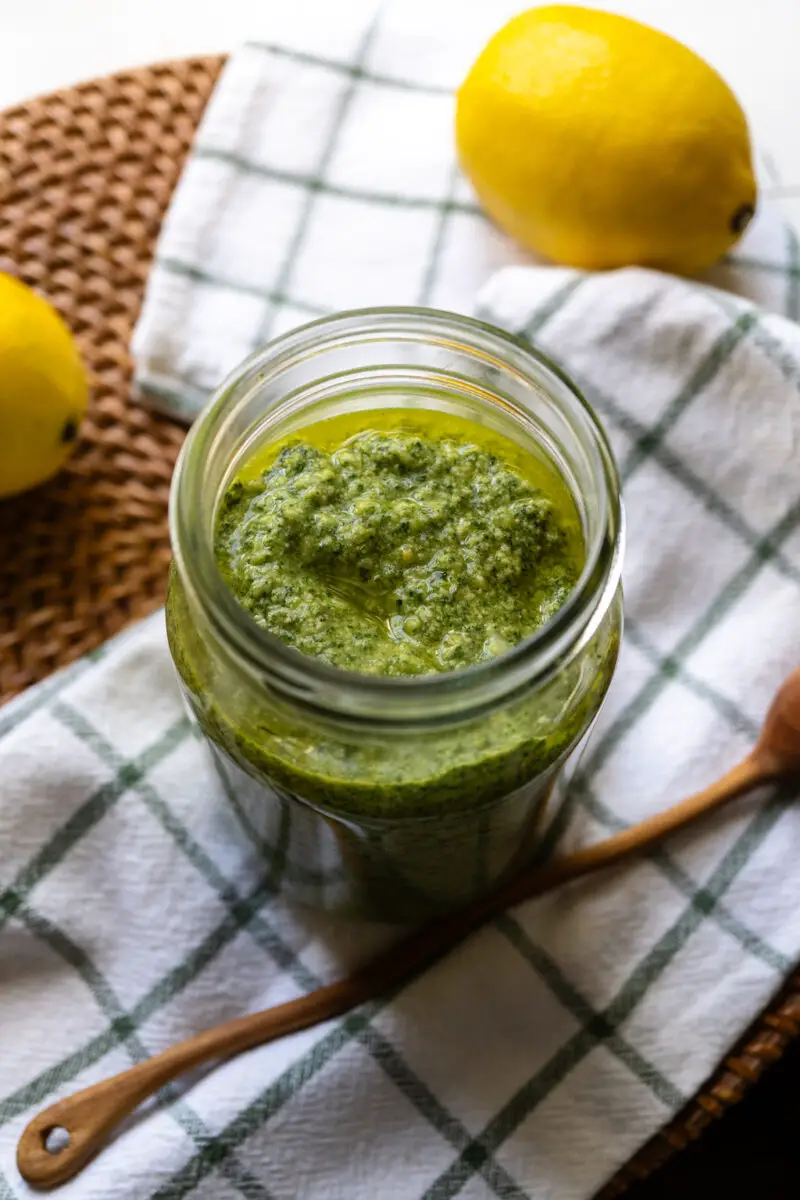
(398, 551)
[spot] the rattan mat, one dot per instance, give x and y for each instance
(85, 178)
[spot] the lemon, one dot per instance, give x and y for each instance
(43, 390)
(600, 142)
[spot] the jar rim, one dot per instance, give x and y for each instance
(334, 691)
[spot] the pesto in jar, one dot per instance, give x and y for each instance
(397, 542)
(406, 548)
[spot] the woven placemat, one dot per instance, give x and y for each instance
(85, 178)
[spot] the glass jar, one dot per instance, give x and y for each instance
(392, 797)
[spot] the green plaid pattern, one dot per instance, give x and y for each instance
(138, 906)
(138, 903)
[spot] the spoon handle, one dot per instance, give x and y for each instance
(89, 1116)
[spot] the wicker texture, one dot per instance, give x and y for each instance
(85, 179)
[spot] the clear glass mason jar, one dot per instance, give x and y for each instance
(392, 797)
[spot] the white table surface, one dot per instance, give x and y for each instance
(47, 44)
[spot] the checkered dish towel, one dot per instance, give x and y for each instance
(135, 909)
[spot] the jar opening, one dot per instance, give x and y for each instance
(405, 358)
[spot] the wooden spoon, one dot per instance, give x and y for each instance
(86, 1119)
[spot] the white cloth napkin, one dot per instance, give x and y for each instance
(323, 177)
(135, 908)
(538, 1057)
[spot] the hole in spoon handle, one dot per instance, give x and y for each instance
(59, 1142)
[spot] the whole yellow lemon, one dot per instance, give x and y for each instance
(43, 390)
(600, 142)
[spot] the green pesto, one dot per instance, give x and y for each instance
(396, 553)
(467, 544)
(421, 823)
(398, 549)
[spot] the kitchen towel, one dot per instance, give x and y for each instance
(323, 177)
(136, 907)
